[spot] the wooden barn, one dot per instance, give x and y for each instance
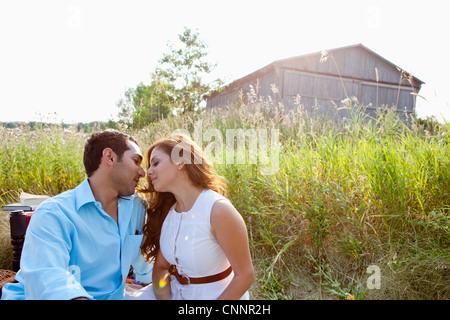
(324, 80)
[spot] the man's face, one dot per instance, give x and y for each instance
(128, 170)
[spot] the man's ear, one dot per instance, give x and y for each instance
(109, 157)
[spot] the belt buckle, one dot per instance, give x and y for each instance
(173, 269)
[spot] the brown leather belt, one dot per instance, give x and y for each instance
(188, 280)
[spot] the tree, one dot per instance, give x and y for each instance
(183, 69)
(177, 84)
(146, 104)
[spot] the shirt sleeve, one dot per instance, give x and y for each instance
(44, 264)
(141, 267)
(143, 270)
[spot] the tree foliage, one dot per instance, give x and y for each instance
(145, 104)
(184, 68)
(177, 84)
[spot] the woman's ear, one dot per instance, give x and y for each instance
(180, 165)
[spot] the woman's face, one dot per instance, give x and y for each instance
(162, 171)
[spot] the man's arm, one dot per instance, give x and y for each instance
(142, 268)
(45, 259)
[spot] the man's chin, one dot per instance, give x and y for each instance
(127, 193)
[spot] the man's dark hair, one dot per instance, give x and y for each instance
(93, 149)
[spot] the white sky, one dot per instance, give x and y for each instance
(76, 58)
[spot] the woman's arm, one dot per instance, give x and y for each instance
(161, 278)
(230, 231)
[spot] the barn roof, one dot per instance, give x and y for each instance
(282, 62)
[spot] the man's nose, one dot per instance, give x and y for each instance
(141, 172)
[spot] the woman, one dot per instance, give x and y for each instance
(195, 236)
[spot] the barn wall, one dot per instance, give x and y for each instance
(356, 63)
(379, 95)
(321, 93)
(231, 95)
(322, 86)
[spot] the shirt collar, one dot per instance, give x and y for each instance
(83, 194)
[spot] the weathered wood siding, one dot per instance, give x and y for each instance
(262, 84)
(355, 62)
(353, 71)
(316, 91)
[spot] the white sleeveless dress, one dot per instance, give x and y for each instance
(188, 243)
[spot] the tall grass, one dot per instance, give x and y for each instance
(348, 194)
(47, 160)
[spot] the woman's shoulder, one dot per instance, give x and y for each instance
(224, 215)
(212, 195)
(208, 200)
(219, 202)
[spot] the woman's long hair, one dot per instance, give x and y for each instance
(200, 172)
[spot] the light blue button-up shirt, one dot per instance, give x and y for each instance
(73, 248)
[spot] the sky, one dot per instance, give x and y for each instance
(71, 61)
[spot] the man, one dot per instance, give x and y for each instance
(81, 243)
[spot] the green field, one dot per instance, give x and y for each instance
(346, 195)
